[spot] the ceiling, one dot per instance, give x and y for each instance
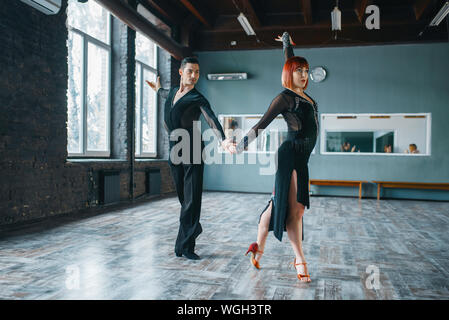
(205, 25)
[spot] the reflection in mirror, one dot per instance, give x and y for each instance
(374, 141)
(236, 126)
(399, 134)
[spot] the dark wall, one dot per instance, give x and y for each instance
(36, 179)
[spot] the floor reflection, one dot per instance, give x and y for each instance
(128, 254)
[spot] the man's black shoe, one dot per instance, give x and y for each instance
(188, 255)
(191, 255)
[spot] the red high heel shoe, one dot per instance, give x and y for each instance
(301, 276)
(254, 249)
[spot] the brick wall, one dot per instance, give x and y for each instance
(36, 179)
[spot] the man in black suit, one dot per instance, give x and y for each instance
(184, 105)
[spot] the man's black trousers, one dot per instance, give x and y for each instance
(189, 186)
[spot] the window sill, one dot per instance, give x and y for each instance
(150, 160)
(113, 160)
(94, 160)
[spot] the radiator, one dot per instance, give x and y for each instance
(109, 186)
(153, 181)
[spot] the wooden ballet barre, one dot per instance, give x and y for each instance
(410, 185)
(340, 183)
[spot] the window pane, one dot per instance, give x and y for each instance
(90, 18)
(97, 97)
(148, 114)
(145, 50)
(74, 93)
(138, 90)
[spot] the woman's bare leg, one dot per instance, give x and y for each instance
(262, 231)
(294, 225)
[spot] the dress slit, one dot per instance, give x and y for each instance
(279, 198)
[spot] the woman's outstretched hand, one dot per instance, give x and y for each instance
(154, 86)
(279, 38)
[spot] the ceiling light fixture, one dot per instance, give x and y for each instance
(336, 18)
(440, 15)
(245, 24)
(438, 18)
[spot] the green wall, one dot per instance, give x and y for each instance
(370, 79)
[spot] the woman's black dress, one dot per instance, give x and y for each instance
(293, 154)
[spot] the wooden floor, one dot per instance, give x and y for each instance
(128, 254)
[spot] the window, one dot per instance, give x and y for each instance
(88, 94)
(146, 98)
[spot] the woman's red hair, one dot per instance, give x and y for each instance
(290, 66)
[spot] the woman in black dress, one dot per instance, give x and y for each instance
(291, 191)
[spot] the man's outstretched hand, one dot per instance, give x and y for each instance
(155, 86)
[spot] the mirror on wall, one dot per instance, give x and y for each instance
(272, 137)
(378, 134)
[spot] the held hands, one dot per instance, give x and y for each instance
(228, 145)
(155, 86)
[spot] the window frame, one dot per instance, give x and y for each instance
(86, 39)
(138, 130)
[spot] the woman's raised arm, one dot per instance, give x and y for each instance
(287, 43)
(277, 106)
